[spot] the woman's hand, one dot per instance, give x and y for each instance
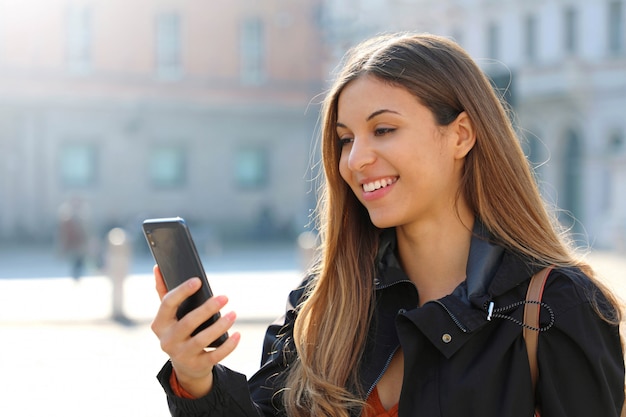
(192, 363)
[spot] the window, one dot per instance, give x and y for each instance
(493, 41)
(530, 37)
(570, 30)
(252, 52)
(534, 151)
(616, 143)
(615, 149)
(77, 165)
(78, 40)
(251, 168)
(571, 181)
(168, 46)
(167, 167)
(616, 33)
(503, 84)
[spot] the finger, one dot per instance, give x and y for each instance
(219, 354)
(201, 362)
(192, 355)
(215, 331)
(159, 282)
(165, 324)
(174, 298)
(202, 313)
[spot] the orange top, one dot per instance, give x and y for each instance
(177, 389)
(374, 407)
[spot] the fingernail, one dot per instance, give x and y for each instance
(221, 299)
(231, 316)
(194, 282)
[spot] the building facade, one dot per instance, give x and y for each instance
(149, 108)
(208, 110)
(563, 63)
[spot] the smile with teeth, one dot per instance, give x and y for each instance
(375, 185)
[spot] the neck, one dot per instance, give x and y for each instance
(434, 255)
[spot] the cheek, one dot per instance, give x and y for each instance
(343, 168)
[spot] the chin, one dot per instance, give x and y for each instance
(382, 222)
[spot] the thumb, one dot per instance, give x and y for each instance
(159, 282)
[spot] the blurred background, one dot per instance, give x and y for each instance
(113, 111)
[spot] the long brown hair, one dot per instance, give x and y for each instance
(497, 182)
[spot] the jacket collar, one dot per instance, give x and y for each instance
(491, 269)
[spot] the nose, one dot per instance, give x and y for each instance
(361, 154)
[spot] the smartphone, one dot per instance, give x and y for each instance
(175, 253)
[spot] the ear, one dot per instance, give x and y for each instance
(464, 135)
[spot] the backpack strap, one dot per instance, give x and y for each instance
(532, 309)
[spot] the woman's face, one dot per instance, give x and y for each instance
(402, 166)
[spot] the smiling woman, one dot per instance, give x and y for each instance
(430, 222)
(402, 166)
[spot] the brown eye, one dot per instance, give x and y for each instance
(383, 131)
(344, 141)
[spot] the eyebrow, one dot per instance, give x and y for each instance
(381, 111)
(371, 116)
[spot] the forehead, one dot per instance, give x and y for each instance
(367, 94)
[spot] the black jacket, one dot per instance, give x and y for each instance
(457, 362)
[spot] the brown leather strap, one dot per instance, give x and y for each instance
(531, 318)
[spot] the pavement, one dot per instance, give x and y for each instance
(62, 353)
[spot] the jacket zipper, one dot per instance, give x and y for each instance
(382, 372)
(390, 358)
(452, 316)
(382, 287)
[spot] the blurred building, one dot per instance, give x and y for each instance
(142, 108)
(563, 65)
(208, 109)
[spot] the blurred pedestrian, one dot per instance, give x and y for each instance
(431, 227)
(73, 235)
